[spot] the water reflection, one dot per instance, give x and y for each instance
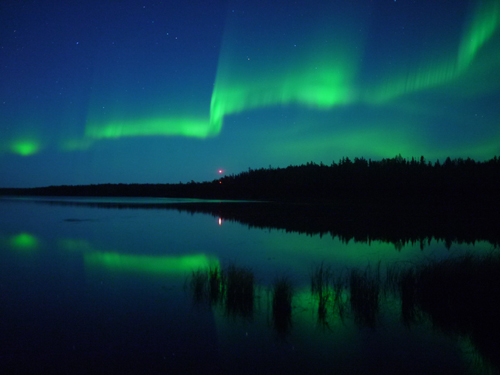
(169, 265)
(460, 297)
(457, 296)
(121, 283)
(112, 260)
(22, 241)
(282, 295)
(400, 226)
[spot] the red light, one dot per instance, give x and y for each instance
(220, 171)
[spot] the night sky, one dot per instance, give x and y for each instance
(125, 91)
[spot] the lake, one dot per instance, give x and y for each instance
(109, 286)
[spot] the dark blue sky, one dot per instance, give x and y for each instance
(150, 91)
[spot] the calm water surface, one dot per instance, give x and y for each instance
(86, 289)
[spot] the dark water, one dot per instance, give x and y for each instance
(87, 289)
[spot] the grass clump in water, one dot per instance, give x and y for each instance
(239, 288)
(207, 285)
(198, 285)
(233, 287)
(339, 303)
(320, 287)
(216, 285)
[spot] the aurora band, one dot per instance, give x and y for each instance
(322, 76)
(480, 29)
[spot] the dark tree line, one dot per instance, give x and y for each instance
(387, 179)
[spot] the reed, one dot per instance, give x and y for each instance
(233, 287)
(320, 287)
(320, 279)
(216, 285)
(239, 288)
(338, 302)
(459, 295)
(198, 285)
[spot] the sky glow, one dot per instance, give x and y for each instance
(25, 147)
(155, 92)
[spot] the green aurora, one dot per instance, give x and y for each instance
(322, 78)
(156, 126)
(485, 23)
(25, 148)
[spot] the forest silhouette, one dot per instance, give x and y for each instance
(461, 181)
